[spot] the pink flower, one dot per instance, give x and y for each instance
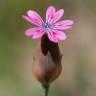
(50, 27)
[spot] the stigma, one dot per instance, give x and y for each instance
(47, 26)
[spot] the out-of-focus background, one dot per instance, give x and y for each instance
(78, 77)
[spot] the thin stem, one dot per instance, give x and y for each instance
(46, 91)
(46, 88)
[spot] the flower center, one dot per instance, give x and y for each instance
(47, 26)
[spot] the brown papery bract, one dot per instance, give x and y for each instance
(47, 61)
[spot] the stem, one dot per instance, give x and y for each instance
(46, 88)
(46, 91)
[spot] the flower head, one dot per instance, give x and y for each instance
(50, 27)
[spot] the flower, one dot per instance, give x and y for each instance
(50, 27)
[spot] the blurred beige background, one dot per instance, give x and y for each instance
(79, 50)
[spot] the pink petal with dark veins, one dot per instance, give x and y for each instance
(34, 32)
(65, 24)
(50, 13)
(57, 15)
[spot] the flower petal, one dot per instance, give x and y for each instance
(38, 33)
(52, 37)
(29, 32)
(35, 17)
(34, 32)
(57, 15)
(65, 24)
(60, 35)
(50, 13)
(29, 19)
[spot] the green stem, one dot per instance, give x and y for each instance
(46, 88)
